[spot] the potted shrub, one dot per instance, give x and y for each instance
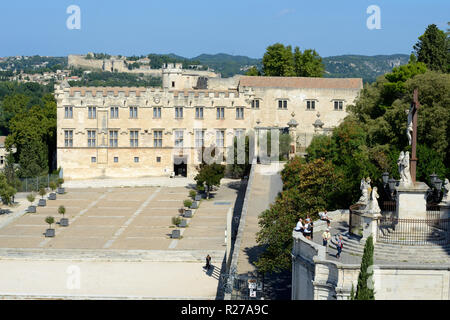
(63, 222)
(31, 197)
(187, 205)
(176, 233)
(59, 183)
(52, 196)
(50, 232)
(192, 194)
(42, 201)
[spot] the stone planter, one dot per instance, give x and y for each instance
(175, 234)
(198, 197)
(183, 224)
(64, 222)
(42, 203)
(61, 190)
(188, 213)
(32, 209)
(194, 205)
(52, 196)
(50, 233)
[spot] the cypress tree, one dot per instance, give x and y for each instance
(363, 290)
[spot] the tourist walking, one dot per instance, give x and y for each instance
(208, 262)
(339, 246)
(326, 236)
(324, 216)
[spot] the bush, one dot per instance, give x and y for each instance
(176, 221)
(31, 197)
(50, 220)
(42, 192)
(62, 210)
(187, 203)
(59, 182)
(364, 291)
(52, 186)
(192, 194)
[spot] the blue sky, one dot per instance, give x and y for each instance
(239, 27)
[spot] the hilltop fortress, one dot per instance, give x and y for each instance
(136, 132)
(120, 64)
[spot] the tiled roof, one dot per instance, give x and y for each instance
(301, 82)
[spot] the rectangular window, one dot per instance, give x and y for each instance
(158, 159)
(116, 159)
(136, 159)
(310, 105)
(282, 104)
(239, 113)
(92, 112)
(113, 138)
(338, 105)
(157, 112)
(68, 112)
(179, 138)
(133, 112)
(92, 138)
(93, 159)
(157, 139)
(198, 112)
(220, 113)
(255, 104)
(220, 136)
(199, 138)
(178, 112)
(68, 138)
(114, 112)
(134, 137)
(239, 133)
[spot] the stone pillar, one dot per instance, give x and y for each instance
(293, 133)
(445, 210)
(370, 226)
(412, 201)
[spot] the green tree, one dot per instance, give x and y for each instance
(238, 169)
(6, 191)
(306, 189)
(253, 71)
(308, 63)
(433, 48)
(364, 289)
(209, 175)
(278, 61)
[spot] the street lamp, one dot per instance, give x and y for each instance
(385, 177)
(392, 182)
(433, 178)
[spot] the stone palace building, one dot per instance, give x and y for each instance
(137, 132)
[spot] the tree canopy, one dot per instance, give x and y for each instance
(433, 49)
(280, 61)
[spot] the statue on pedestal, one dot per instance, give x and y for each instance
(403, 168)
(365, 189)
(373, 206)
(446, 197)
(409, 126)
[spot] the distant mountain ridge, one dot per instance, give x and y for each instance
(342, 66)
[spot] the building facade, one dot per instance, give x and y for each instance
(138, 132)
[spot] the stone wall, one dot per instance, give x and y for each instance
(316, 278)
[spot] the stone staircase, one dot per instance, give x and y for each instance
(432, 254)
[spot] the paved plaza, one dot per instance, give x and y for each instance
(124, 230)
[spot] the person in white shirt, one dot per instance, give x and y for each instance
(324, 216)
(307, 229)
(299, 227)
